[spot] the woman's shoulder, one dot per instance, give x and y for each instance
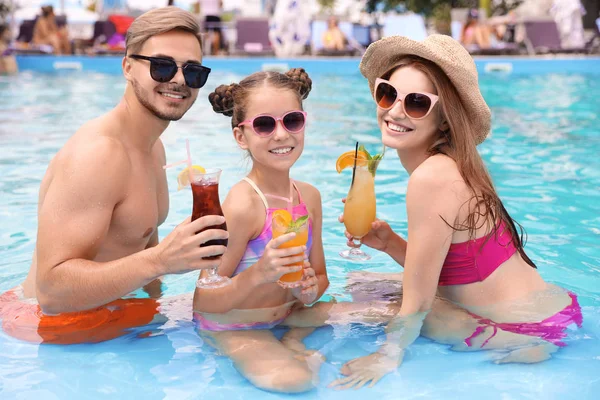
(436, 174)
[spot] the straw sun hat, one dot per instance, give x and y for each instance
(449, 55)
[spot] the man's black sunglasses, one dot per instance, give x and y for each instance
(164, 69)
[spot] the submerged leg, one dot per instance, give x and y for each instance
(529, 355)
(265, 361)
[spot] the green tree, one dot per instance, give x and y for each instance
(326, 5)
(5, 9)
(501, 7)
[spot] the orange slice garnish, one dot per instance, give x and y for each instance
(282, 218)
(347, 160)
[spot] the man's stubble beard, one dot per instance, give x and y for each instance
(142, 97)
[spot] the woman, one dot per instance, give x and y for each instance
(47, 32)
(475, 35)
(464, 246)
(333, 37)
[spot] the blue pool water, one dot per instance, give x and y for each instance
(543, 156)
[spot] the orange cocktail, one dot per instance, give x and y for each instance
(283, 223)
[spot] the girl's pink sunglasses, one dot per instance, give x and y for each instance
(265, 124)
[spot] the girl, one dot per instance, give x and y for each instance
(268, 122)
(464, 246)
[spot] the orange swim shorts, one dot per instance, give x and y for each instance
(25, 321)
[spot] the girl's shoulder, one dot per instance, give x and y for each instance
(308, 192)
(242, 188)
(241, 198)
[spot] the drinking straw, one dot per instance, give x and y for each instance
(174, 164)
(189, 158)
(354, 166)
(187, 161)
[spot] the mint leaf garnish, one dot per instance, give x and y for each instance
(374, 162)
(297, 224)
(363, 149)
(300, 221)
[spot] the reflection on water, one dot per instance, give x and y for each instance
(542, 155)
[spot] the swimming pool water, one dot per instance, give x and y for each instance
(543, 156)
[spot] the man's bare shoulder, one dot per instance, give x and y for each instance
(91, 155)
(93, 144)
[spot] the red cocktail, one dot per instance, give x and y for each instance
(205, 189)
(206, 202)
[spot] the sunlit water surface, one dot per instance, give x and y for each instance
(543, 156)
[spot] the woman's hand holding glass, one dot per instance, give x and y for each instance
(378, 237)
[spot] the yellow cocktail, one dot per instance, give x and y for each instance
(359, 211)
(360, 208)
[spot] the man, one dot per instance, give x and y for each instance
(105, 192)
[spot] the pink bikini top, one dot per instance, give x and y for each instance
(256, 247)
(475, 260)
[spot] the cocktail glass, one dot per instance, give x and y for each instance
(300, 227)
(360, 207)
(205, 189)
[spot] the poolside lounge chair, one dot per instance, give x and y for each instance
(253, 37)
(26, 31)
(103, 30)
(23, 43)
(98, 44)
(543, 37)
(319, 27)
(409, 25)
(593, 44)
(362, 34)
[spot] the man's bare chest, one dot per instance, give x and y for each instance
(144, 207)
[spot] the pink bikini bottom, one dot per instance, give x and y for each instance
(552, 329)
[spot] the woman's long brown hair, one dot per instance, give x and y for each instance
(458, 143)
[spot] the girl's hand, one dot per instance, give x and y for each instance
(274, 261)
(307, 289)
(378, 237)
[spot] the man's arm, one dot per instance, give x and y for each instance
(73, 223)
(154, 288)
(74, 220)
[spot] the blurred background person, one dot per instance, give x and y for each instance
(47, 32)
(333, 38)
(474, 33)
(8, 64)
(212, 10)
